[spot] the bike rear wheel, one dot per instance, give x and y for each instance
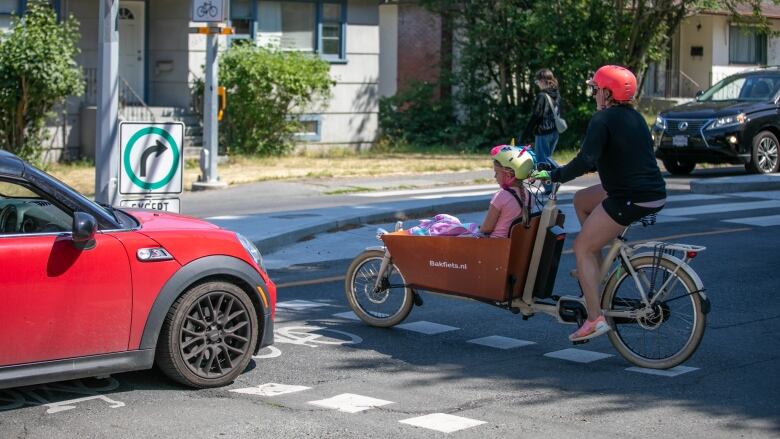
(672, 332)
(385, 306)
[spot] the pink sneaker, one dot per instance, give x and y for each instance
(590, 329)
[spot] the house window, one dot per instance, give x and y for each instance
(8, 8)
(746, 46)
(310, 130)
(242, 18)
(307, 26)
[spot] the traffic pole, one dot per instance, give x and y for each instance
(106, 150)
(209, 179)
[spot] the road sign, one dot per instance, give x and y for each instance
(164, 204)
(150, 157)
(209, 11)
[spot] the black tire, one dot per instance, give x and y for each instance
(358, 287)
(208, 335)
(619, 338)
(679, 167)
(764, 154)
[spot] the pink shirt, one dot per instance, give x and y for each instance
(508, 209)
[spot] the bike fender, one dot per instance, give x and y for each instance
(380, 248)
(688, 270)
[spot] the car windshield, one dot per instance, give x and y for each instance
(743, 88)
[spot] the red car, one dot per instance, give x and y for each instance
(87, 290)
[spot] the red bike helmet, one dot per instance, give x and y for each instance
(618, 80)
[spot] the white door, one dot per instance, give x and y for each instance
(131, 44)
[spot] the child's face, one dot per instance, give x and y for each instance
(502, 175)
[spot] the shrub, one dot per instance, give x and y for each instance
(416, 116)
(267, 89)
(37, 72)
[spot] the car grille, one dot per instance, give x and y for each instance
(694, 125)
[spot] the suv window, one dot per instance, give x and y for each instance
(24, 211)
(743, 88)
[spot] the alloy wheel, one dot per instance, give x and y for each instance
(767, 154)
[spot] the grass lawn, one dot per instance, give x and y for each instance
(249, 169)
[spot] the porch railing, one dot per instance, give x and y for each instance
(131, 105)
(688, 86)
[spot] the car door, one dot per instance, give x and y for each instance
(57, 301)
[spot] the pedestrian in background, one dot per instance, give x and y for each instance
(542, 124)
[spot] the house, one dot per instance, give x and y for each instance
(710, 46)
(160, 59)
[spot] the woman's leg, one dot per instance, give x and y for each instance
(586, 200)
(598, 230)
(541, 149)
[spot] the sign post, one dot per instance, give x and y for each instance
(151, 165)
(107, 103)
(216, 12)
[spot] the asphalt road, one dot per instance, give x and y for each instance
(731, 389)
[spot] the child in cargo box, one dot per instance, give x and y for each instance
(511, 165)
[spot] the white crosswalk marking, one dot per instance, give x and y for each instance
(577, 355)
(673, 372)
(721, 208)
(350, 403)
(300, 304)
(427, 328)
(499, 342)
(271, 389)
(767, 195)
(442, 422)
(760, 221)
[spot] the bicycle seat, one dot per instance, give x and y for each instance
(648, 220)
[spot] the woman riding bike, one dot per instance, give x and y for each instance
(618, 145)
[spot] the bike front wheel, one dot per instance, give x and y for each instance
(383, 306)
(667, 335)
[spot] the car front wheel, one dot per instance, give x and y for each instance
(764, 155)
(679, 167)
(208, 335)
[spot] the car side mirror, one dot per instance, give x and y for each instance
(698, 94)
(84, 230)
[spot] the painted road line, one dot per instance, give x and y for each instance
(721, 208)
(442, 422)
(499, 342)
(578, 355)
(349, 315)
(300, 304)
(692, 197)
(350, 403)
(455, 195)
(760, 221)
(428, 328)
(437, 190)
(673, 372)
(767, 195)
(303, 283)
(271, 389)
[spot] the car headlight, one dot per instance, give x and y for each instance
(728, 121)
(250, 248)
(660, 123)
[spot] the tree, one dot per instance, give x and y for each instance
(267, 89)
(37, 72)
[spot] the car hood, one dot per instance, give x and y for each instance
(710, 109)
(152, 220)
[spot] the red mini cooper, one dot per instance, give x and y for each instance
(87, 290)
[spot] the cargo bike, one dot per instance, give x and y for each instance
(652, 299)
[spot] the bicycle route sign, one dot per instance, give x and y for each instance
(151, 158)
(209, 11)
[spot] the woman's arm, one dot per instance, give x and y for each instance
(595, 138)
(490, 220)
(536, 116)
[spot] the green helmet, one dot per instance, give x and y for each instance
(520, 160)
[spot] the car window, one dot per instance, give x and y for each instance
(22, 211)
(744, 88)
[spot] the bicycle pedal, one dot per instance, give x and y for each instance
(579, 342)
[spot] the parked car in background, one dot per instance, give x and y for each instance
(89, 290)
(735, 121)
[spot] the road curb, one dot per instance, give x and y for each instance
(273, 243)
(748, 183)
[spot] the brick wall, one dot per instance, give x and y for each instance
(419, 45)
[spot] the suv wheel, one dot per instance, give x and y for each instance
(208, 336)
(678, 167)
(764, 154)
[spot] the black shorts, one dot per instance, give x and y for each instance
(624, 212)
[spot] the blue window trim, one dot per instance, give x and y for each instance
(310, 137)
(252, 24)
(56, 4)
(342, 57)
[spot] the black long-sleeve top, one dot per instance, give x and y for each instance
(542, 119)
(618, 145)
